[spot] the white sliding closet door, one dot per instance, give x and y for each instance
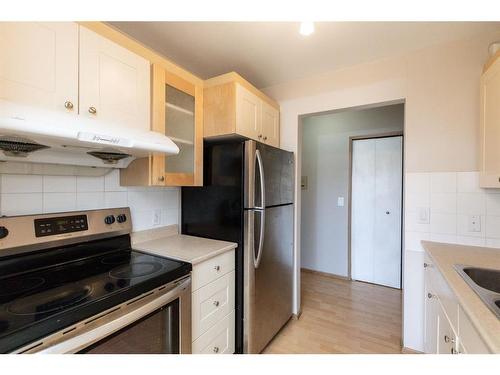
(376, 210)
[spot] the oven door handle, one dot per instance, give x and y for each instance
(80, 341)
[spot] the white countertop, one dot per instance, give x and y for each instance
(445, 256)
(186, 248)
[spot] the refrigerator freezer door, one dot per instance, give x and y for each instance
(278, 168)
(268, 287)
(279, 171)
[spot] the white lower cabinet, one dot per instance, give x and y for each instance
(217, 340)
(213, 305)
(447, 339)
(447, 329)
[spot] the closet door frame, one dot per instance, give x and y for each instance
(349, 209)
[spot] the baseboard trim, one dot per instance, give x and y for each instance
(326, 274)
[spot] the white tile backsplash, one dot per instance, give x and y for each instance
(59, 184)
(443, 182)
(12, 183)
(453, 198)
(444, 203)
(87, 184)
(33, 194)
(468, 182)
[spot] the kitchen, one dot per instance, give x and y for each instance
(148, 210)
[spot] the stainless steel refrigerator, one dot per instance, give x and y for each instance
(247, 198)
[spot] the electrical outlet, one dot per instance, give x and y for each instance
(157, 217)
(474, 223)
(340, 202)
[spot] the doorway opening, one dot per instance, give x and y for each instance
(325, 152)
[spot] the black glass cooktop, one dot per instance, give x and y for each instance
(43, 293)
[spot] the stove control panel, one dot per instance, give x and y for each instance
(59, 225)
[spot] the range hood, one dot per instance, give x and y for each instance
(33, 135)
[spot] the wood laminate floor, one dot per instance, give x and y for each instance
(340, 316)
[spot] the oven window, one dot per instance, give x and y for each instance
(156, 333)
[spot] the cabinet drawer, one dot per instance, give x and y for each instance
(447, 338)
(217, 340)
(469, 338)
(438, 285)
(212, 269)
(211, 303)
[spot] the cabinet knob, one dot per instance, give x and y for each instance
(92, 110)
(216, 349)
(454, 351)
(260, 136)
(68, 105)
(447, 339)
(426, 265)
(161, 178)
(217, 268)
(216, 303)
(265, 138)
(429, 295)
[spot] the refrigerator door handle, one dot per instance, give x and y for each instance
(258, 158)
(257, 259)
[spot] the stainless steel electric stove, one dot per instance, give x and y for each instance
(72, 282)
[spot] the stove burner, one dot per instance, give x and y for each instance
(19, 285)
(139, 269)
(116, 258)
(50, 300)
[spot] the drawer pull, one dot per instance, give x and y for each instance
(447, 339)
(216, 303)
(216, 349)
(429, 295)
(217, 268)
(454, 351)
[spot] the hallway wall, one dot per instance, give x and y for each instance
(325, 162)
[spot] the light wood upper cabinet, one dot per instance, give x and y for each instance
(232, 106)
(177, 111)
(490, 125)
(114, 82)
(270, 129)
(39, 64)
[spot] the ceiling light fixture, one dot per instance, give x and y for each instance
(306, 28)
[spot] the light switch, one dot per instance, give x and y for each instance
(340, 202)
(423, 215)
(474, 223)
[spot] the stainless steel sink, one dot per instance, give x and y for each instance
(485, 282)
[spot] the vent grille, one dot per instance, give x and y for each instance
(108, 157)
(19, 147)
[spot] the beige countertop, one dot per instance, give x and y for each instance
(445, 256)
(186, 248)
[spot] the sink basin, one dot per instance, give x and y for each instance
(485, 278)
(485, 283)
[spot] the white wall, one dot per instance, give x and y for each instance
(440, 86)
(325, 162)
(34, 194)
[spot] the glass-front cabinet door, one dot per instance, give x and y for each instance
(177, 112)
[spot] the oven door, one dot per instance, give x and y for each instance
(156, 322)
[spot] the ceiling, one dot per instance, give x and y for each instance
(268, 53)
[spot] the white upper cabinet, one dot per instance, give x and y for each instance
(114, 82)
(39, 64)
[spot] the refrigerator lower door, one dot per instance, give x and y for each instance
(268, 284)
